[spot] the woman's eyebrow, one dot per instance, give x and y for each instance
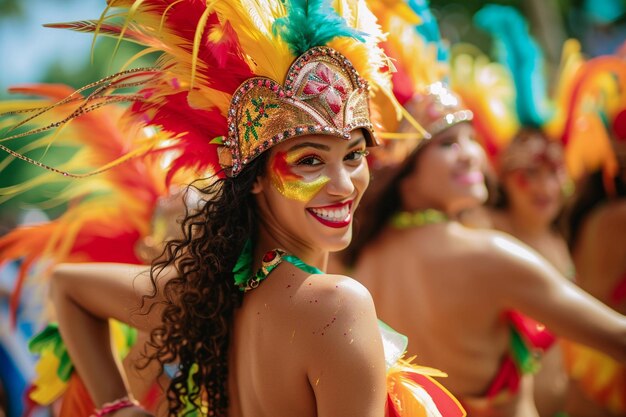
(309, 145)
(323, 147)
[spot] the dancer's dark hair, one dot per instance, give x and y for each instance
(200, 301)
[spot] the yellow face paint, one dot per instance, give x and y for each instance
(290, 184)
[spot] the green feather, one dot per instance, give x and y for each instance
(522, 355)
(50, 339)
(311, 23)
(46, 338)
(243, 267)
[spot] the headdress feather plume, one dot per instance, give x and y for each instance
(520, 53)
(413, 58)
(104, 211)
(311, 23)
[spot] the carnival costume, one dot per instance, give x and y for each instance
(509, 95)
(233, 79)
(527, 337)
(418, 85)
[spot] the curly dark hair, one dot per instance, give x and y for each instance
(200, 301)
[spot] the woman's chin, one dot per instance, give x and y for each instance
(469, 202)
(339, 243)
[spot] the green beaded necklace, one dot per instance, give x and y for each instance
(409, 219)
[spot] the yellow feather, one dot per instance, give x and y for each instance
(129, 16)
(97, 30)
(134, 58)
(488, 89)
(47, 385)
(196, 44)
(571, 61)
(209, 98)
(417, 59)
(253, 21)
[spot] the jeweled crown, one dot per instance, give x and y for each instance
(322, 94)
(437, 108)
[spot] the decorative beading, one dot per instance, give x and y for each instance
(322, 94)
(116, 405)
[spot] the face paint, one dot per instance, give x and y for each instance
(521, 179)
(292, 185)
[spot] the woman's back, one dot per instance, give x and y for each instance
(455, 304)
(448, 305)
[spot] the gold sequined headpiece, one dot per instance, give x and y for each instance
(322, 94)
(437, 108)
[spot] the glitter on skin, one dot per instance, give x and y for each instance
(292, 185)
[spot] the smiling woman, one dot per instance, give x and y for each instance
(322, 181)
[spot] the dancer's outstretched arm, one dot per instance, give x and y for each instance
(85, 297)
(536, 288)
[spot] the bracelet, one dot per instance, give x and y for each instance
(108, 408)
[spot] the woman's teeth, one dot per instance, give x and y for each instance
(333, 215)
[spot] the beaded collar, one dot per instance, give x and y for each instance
(270, 261)
(418, 218)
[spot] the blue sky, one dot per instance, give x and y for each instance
(27, 48)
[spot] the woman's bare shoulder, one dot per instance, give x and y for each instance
(492, 250)
(332, 291)
(306, 297)
(336, 315)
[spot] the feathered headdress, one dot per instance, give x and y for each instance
(107, 214)
(595, 118)
(420, 61)
(414, 46)
(236, 77)
(510, 95)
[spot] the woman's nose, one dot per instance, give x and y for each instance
(471, 151)
(552, 181)
(340, 183)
